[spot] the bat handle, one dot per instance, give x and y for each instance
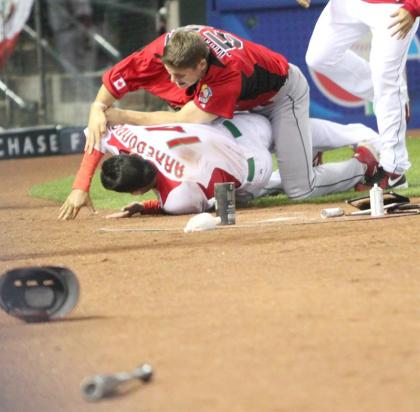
(98, 387)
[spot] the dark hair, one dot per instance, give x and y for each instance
(126, 174)
(185, 49)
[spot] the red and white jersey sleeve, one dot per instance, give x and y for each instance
(413, 6)
(143, 70)
(134, 72)
(186, 198)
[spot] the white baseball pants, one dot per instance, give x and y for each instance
(381, 80)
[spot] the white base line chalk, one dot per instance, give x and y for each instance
(149, 229)
(277, 219)
(136, 229)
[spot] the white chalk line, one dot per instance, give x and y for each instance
(260, 223)
(136, 229)
(147, 229)
(222, 227)
(277, 219)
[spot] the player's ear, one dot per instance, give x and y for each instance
(202, 65)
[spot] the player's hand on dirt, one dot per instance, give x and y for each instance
(74, 202)
(96, 126)
(402, 23)
(304, 3)
(127, 211)
(114, 116)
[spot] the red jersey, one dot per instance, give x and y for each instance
(241, 74)
(413, 6)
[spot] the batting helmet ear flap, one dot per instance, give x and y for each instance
(37, 294)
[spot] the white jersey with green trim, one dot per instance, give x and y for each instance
(190, 153)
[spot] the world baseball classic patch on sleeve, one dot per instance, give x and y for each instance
(205, 95)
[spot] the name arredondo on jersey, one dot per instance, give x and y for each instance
(221, 43)
(126, 141)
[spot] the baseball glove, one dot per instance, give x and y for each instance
(390, 198)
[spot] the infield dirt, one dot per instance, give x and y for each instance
(298, 315)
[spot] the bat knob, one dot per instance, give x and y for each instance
(144, 372)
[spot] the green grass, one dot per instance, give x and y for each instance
(58, 190)
(413, 176)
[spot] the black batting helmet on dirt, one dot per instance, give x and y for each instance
(38, 294)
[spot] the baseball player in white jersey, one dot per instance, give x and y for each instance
(190, 158)
(187, 159)
(392, 25)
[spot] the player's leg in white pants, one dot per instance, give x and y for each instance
(387, 60)
(327, 135)
(289, 117)
(336, 30)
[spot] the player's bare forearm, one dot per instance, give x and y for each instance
(104, 98)
(190, 113)
(127, 211)
(97, 118)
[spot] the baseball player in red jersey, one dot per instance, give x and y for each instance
(208, 73)
(393, 25)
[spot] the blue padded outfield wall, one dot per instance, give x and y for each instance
(284, 26)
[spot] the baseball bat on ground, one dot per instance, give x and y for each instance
(98, 387)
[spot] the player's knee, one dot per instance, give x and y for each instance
(295, 192)
(317, 60)
(312, 59)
